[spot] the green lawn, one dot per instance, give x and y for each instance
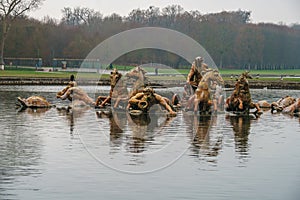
(30, 72)
(295, 72)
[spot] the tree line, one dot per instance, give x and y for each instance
(228, 36)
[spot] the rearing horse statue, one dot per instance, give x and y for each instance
(140, 80)
(118, 90)
(240, 99)
(118, 87)
(203, 98)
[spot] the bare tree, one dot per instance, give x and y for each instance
(9, 11)
(79, 16)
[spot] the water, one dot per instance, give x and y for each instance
(53, 154)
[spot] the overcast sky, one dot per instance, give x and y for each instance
(274, 11)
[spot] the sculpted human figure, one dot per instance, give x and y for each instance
(75, 94)
(147, 98)
(72, 83)
(282, 103)
(293, 108)
(195, 74)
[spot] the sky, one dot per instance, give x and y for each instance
(267, 11)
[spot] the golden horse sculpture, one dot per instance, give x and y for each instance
(118, 87)
(140, 81)
(204, 98)
(34, 102)
(240, 100)
(118, 91)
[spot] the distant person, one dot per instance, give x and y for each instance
(194, 77)
(156, 71)
(110, 66)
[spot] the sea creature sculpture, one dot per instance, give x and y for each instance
(34, 102)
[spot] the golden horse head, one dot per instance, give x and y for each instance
(115, 76)
(212, 77)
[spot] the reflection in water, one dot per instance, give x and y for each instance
(138, 125)
(132, 136)
(204, 143)
(37, 161)
(117, 122)
(145, 127)
(72, 114)
(241, 126)
(20, 144)
(20, 156)
(206, 140)
(34, 111)
(203, 138)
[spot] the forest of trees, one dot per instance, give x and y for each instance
(229, 37)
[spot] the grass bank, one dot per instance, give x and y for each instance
(32, 73)
(163, 74)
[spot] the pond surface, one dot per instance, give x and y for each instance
(85, 154)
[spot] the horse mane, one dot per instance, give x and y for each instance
(138, 74)
(208, 75)
(245, 75)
